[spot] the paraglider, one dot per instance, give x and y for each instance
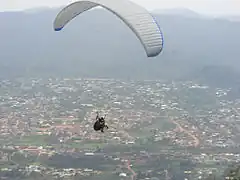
(138, 19)
(100, 123)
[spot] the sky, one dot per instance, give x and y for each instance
(208, 7)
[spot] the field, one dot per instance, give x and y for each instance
(146, 130)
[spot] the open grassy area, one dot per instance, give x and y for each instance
(85, 144)
(33, 140)
(163, 124)
(144, 131)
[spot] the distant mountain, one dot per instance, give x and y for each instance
(178, 11)
(232, 18)
(219, 76)
(40, 9)
(97, 43)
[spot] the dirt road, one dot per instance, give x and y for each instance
(131, 170)
(196, 140)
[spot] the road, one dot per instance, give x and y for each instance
(196, 140)
(131, 170)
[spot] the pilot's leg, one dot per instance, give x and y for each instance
(102, 130)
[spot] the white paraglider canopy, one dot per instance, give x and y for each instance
(138, 19)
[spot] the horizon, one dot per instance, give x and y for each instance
(157, 10)
(203, 7)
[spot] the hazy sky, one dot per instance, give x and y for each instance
(215, 7)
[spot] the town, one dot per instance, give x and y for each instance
(156, 129)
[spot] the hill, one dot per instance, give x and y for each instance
(97, 43)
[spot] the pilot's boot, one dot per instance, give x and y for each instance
(106, 126)
(102, 130)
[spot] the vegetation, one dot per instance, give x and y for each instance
(231, 173)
